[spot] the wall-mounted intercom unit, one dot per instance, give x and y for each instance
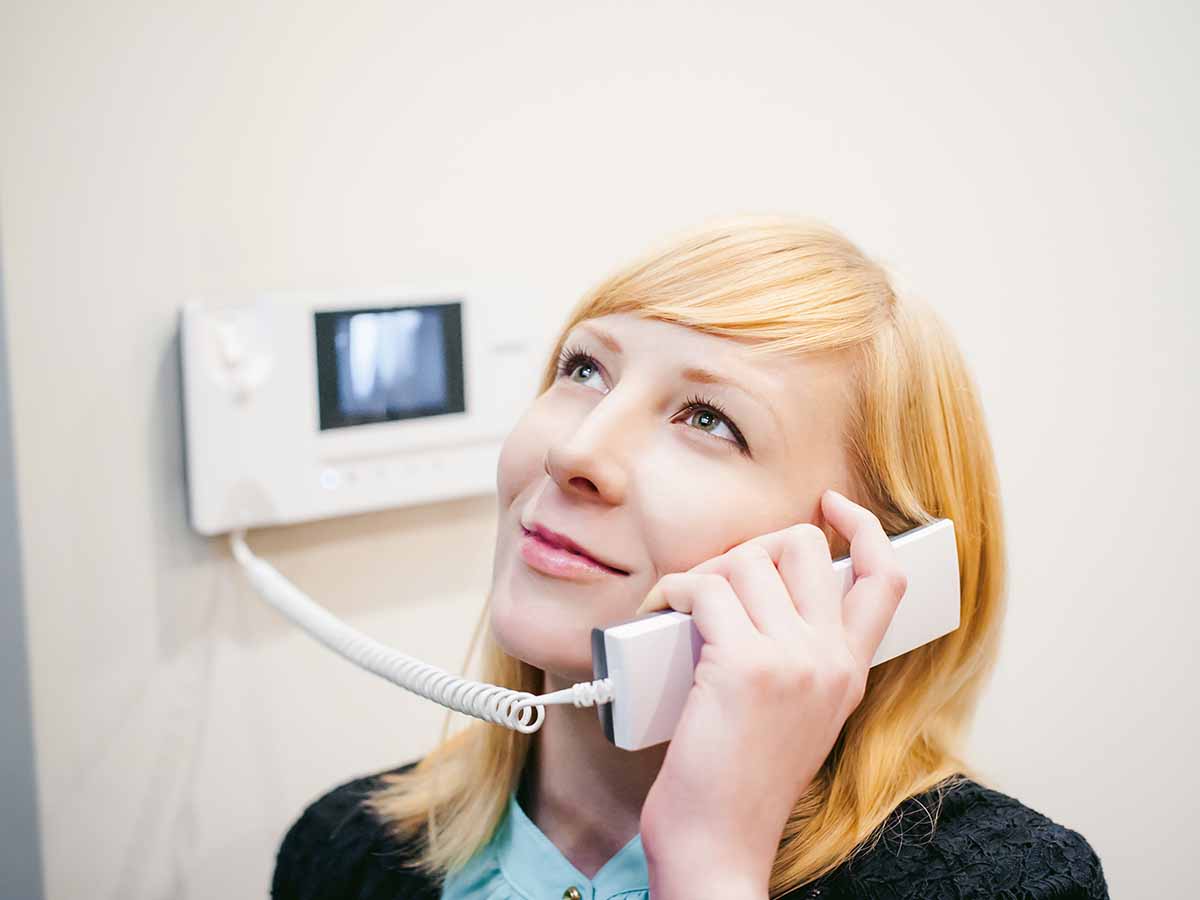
(302, 407)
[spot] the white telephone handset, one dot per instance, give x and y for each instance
(649, 660)
(643, 668)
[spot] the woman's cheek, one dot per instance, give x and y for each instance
(693, 517)
(521, 459)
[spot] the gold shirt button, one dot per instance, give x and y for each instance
(572, 893)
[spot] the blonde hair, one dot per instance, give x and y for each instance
(919, 450)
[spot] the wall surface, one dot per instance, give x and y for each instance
(20, 845)
(1028, 169)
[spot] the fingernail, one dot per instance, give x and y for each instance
(649, 602)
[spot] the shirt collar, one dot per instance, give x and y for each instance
(535, 867)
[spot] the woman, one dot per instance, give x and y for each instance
(719, 421)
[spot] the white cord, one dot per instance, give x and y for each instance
(585, 693)
(518, 710)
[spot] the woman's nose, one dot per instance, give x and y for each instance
(591, 457)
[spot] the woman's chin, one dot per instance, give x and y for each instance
(560, 668)
(562, 653)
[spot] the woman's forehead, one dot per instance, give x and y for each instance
(808, 374)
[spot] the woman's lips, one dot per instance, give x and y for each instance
(558, 561)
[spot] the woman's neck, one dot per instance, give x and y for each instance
(582, 792)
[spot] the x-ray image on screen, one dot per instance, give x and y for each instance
(381, 365)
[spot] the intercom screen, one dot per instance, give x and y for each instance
(381, 365)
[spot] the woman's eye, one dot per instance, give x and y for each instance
(581, 367)
(573, 364)
(711, 418)
(708, 420)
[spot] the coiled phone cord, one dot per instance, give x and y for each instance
(518, 710)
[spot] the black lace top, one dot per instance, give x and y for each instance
(985, 845)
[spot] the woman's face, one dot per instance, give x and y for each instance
(625, 455)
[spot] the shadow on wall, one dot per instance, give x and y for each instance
(350, 565)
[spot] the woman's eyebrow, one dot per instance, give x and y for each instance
(602, 336)
(691, 373)
(694, 374)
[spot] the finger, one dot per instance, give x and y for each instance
(759, 587)
(711, 601)
(721, 620)
(879, 578)
(802, 557)
(807, 570)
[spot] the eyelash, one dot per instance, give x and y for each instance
(570, 357)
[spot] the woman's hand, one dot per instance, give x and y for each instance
(784, 663)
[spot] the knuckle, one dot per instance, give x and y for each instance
(676, 585)
(803, 538)
(846, 680)
(749, 552)
(897, 581)
(670, 582)
(845, 673)
(710, 582)
(872, 523)
(856, 690)
(805, 541)
(807, 531)
(800, 675)
(783, 674)
(839, 667)
(704, 600)
(762, 674)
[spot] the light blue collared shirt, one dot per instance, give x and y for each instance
(520, 863)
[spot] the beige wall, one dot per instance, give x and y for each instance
(1031, 172)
